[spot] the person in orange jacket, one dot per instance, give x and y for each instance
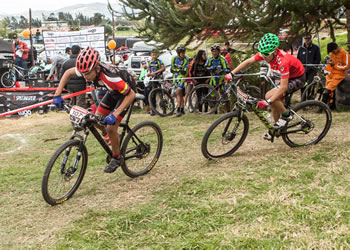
(20, 54)
(337, 65)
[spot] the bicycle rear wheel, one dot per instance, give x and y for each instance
(310, 124)
(61, 179)
(8, 79)
(161, 102)
(225, 136)
(204, 99)
(142, 148)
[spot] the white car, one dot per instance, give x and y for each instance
(142, 52)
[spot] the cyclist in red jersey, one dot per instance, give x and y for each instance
(291, 72)
(120, 85)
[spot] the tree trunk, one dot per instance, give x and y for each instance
(331, 30)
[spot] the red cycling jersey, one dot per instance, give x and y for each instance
(285, 64)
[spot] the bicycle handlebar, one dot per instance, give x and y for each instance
(91, 117)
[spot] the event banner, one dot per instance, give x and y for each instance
(14, 100)
(56, 42)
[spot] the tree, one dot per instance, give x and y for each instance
(97, 19)
(108, 30)
(233, 19)
(3, 27)
(14, 23)
(36, 22)
(23, 22)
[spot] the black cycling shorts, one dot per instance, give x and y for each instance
(110, 102)
(295, 84)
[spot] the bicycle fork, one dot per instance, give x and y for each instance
(232, 135)
(72, 170)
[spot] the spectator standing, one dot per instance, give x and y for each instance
(309, 53)
(179, 68)
(37, 35)
(20, 54)
(228, 58)
(155, 69)
(198, 70)
(56, 61)
(335, 69)
(75, 83)
(218, 67)
(68, 52)
(224, 52)
(141, 88)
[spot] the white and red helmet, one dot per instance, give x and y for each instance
(87, 60)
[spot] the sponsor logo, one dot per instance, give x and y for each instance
(278, 59)
(60, 201)
(92, 30)
(25, 98)
(154, 163)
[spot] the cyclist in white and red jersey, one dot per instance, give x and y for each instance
(291, 72)
(121, 93)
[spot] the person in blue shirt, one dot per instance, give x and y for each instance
(218, 68)
(179, 68)
(155, 69)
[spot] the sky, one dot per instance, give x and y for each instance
(10, 7)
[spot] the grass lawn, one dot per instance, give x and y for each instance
(264, 196)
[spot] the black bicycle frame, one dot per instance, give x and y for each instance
(126, 129)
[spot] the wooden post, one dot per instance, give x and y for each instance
(348, 27)
(113, 27)
(30, 35)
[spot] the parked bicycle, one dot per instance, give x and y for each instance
(8, 79)
(205, 99)
(314, 90)
(310, 124)
(141, 147)
(162, 100)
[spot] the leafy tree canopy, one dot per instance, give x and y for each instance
(186, 20)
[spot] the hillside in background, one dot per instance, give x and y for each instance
(86, 9)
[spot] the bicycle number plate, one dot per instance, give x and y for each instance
(76, 114)
(242, 97)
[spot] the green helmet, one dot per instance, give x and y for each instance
(268, 43)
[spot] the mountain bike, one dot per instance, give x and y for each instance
(314, 90)
(141, 147)
(162, 99)
(205, 98)
(310, 124)
(8, 79)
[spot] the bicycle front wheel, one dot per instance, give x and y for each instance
(225, 136)
(8, 79)
(141, 149)
(161, 102)
(204, 99)
(310, 124)
(312, 92)
(64, 172)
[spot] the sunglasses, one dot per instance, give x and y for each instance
(265, 54)
(307, 38)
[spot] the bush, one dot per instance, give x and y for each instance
(123, 28)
